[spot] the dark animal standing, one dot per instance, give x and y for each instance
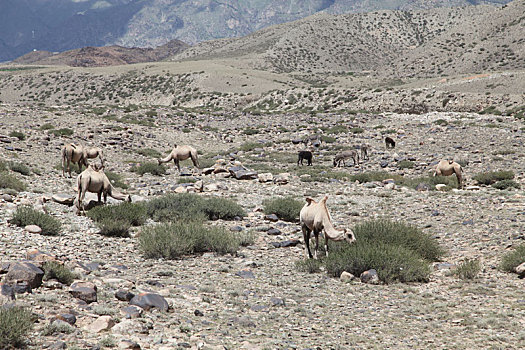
(390, 143)
(305, 155)
(365, 147)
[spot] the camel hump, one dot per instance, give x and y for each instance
(310, 200)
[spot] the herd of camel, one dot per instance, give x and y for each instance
(314, 216)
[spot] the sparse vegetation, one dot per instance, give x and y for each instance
(151, 168)
(505, 184)
(286, 209)
(20, 168)
(468, 269)
(493, 176)
(19, 135)
(513, 259)
(173, 240)
(28, 216)
(15, 324)
(56, 270)
(405, 164)
(61, 132)
(149, 153)
(397, 251)
(8, 181)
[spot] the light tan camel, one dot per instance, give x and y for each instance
(449, 167)
(73, 153)
(94, 180)
(345, 155)
(314, 216)
(181, 153)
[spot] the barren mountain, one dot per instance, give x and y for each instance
(372, 41)
(103, 56)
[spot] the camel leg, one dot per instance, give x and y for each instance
(177, 163)
(458, 176)
(316, 249)
(99, 195)
(326, 244)
(306, 236)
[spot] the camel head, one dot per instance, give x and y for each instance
(348, 236)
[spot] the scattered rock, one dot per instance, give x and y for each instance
(273, 232)
(63, 198)
(86, 291)
(265, 177)
(150, 300)
(370, 277)
(520, 270)
(24, 272)
(346, 277)
(124, 295)
(103, 323)
(245, 274)
(272, 217)
(33, 229)
(7, 294)
(132, 311)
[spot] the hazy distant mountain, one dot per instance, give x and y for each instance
(59, 25)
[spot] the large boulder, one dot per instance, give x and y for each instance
(85, 291)
(24, 272)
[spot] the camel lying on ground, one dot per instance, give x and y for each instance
(314, 216)
(449, 167)
(94, 180)
(345, 155)
(73, 153)
(181, 153)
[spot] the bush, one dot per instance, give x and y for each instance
(28, 216)
(397, 251)
(133, 213)
(493, 176)
(114, 227)
(15, 324)
(308, 265)
(505, 184)
(149, 152)
(62, 132)
(357, 130)
(468, 269)
(249, 146)
(188, 206)
(152, 168)
(337, 129)
(173, 240)
(56, 270)
(20, 168)
(374, 176)
(328, 139)
(250, 131)
(18, 135)
(47, 126)
(116, 179)
(513, 259)
(430, 181)
(286, 209)
(9, 181)
(405, 164)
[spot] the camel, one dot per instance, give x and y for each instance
(314, 216)
(345, 155)
(305, 155)
(72, 153)
(181, 153)
(365, 147)
(449, 167)
(390, 143)
(94, 180)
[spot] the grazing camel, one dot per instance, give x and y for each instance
(94, 180)
(305, 155)
(314, 216)
(365, 147)
(390, 143)
(449, 167)
(345, 155)
(181, 153)
(72, 153)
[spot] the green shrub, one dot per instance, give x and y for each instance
(62, 132)
(431, 181)
(397, 251)
(57, 327)
(249, 146)
(250, 131)
(133, 213)
(149, 152)
(337, 129)
(15, 324)
(405, 164)
(18, 134)
(9, 181)
(493, 176)
(357, 130)
(374, 176)
(188, 206)
(505, 184)
(173, 240)
(20, 168)
(152, 168)
(56, 270)
(513, 259)
(28, 216)
(3, 166)
(441, 122)
(308, 265)
(116, 179)
(285, 208)
(328, 139)
(468, 269)
(47, 126)
(114, 227)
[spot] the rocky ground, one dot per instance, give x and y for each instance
(257, 299)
